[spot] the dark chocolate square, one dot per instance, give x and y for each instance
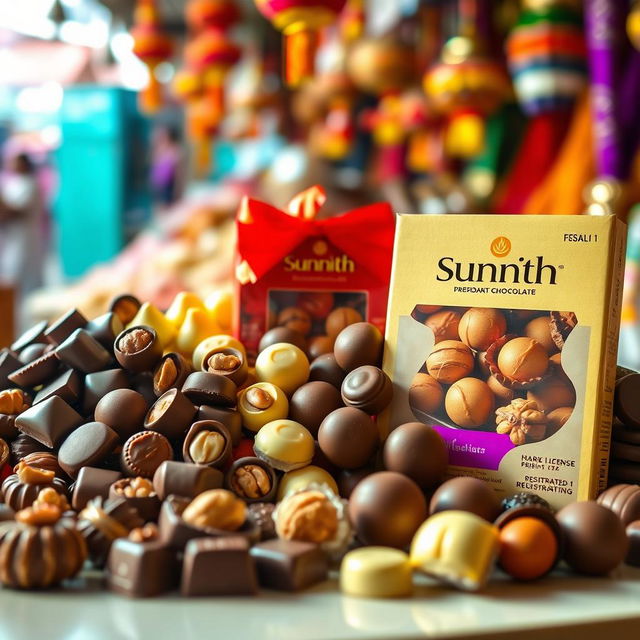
(83, 352)
(218, 567)
(49, 421)
(97, 385)
(64, 326)
(289, 565)
(67, 386)
(8, 364)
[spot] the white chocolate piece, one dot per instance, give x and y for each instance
(301, 478)
(284, 444)
(376, 572)
(284, 365)
(254, 419)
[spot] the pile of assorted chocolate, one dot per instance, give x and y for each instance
(152, 445)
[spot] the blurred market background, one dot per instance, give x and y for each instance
(129, 131)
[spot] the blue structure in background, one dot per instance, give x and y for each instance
(103, 165)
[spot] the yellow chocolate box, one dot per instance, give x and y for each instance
(502, 334)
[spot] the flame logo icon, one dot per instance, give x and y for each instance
(501, 247)
(320, 248)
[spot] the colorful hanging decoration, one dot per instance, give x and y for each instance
(211, 14)
(352, 21)
(300, 22)
(547, 56)
(153, 47)
(633, 25)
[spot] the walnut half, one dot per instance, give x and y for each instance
(522, 420)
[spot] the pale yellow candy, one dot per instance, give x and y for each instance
(376, 572)
(183, 301)
(151, 316)
(302, 478)
(285, 444)
(254, 419)
(220, 306)
(456, 547)
(284, 365)
(218, 341)
(196, 327)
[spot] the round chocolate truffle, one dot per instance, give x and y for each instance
(326, 369)
(523, 359)
(419, 452)
(312, 403)
(444, 325)
(480, 327)
(386, 508)
(358, 344)
(340, 318)
(367, 388)
(595, 542)
(503, 394)
(348, 479)
(123, 410)
(319, 345)
(469, 402)
(449, 361)
(282, 334)
(553, 392)
(297, 319)
(425, 393)
(540, 330)
(348, 437)
(284, 365)
(466, 494)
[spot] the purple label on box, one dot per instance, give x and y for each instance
(477, 449)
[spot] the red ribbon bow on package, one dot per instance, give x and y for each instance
(266, 234)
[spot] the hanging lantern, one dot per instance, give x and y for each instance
(466, 87)
(633, 25)
(352, 21)
(212, 54)
(153, 47)
(187, 85)
(300, 21)
(211, 14)
(546, 53)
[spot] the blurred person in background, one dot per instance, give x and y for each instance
(167, 165)
(21, 234)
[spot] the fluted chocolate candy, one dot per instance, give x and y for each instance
(123, 410)
(466, 494)
(367, 388)
(312, 403)
(386, 509)
(357, 345)
(623, 500)
(419, 452)
(595, 539)
(625, 403)
(348, 437)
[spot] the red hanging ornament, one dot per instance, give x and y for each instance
(153, 47)
(211, 14)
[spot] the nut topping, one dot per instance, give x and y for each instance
(216, 509)
(258, 398)
(135, 340)
(225, 363)
(166, 375)
(137, 487)
(32, 475)
(144, 534)
(522, 420)
(207, 447)
(50, 497)
(251, 481)
(40, 515)
(159, 408)
(13, 402)
(4, 452)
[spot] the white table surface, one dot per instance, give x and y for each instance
(561, 604)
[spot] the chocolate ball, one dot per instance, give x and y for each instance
(469, 402)
(348, 437)
(296, 319)
(348, 479)
(503, 394)
(540, 330)
(123, 410)
(523, 359)
(425, 393)
(479, 327)
(358, 344)
(417, 451)
(444, 325)
(553, 392)
(282, 334)
(386, 508)
(319, 345)
(595, 542)
(312, 403)
(318, 304)
(326, 369)
(340, 318)
(466, 494)
(449, 361)
(367, 388)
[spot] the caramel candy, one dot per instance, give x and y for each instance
(449, 361)
(469, 402)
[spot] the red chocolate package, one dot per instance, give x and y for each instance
(314, 276)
